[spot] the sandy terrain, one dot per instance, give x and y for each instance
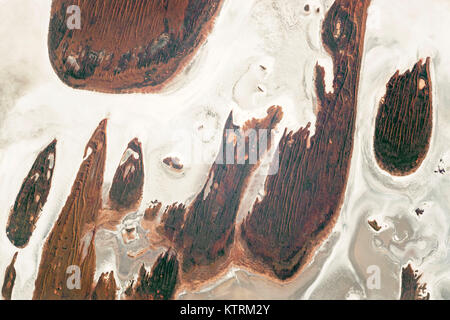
(187, 118)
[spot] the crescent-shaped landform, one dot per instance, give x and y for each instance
(127, 46)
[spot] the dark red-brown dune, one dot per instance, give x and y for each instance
(126, 188)
(404, 121)
(172, 220)
(152, 211)
(31, 198)
(71, 241)
(127, 46)
(412, 289)
(106, 287)
(160, 283)
(9, 280)
(209, 226)
(303, 200)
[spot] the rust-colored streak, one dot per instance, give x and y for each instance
(71, 241)
(412, 289)
(106, 288)
(127, 46)
(10, 278)
(159, 284)
(404, 121)
(31, 198)
(172, 220)
(303, 200)
(210, 220)
(128, 182)
(152, 211)
(374, 225)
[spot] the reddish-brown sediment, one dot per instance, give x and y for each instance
(159, 284)
(125, 194)
(31, 198)
(71, 241)
(173, 163)
(404, 121)
(172, 220)
(412, 289)
(10, 278)
(156, 234)
(209, 225)
(128, 46)
(374, 225)
(128, 182)
(106, 288)
(151, 213)
(302, 201)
